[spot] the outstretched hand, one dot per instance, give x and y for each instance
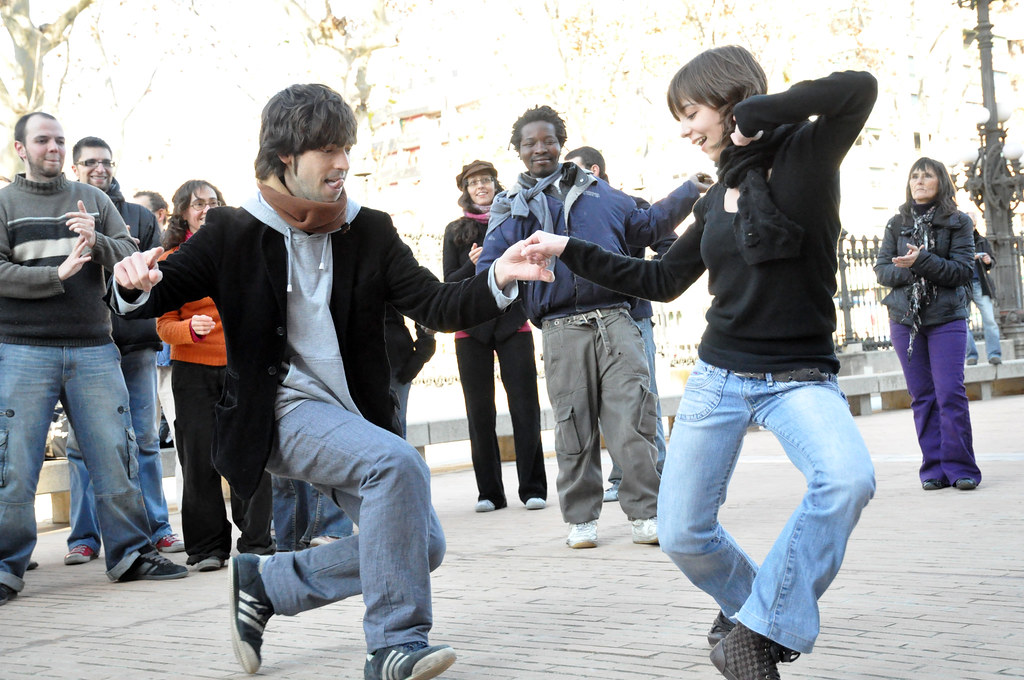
(514, 265)
(541, 246)
(139, 271)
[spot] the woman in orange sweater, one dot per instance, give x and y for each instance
(198, 358)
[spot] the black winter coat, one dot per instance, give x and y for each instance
(242, 264)
(948, 264)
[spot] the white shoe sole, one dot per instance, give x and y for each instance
(433, 665)
(248, 659)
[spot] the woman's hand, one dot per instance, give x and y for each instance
(474, 253)
(541, 246)
(908, 260)
(740, 139)
(202, 324)
(514, 265)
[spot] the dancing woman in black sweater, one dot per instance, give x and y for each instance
(766, 234)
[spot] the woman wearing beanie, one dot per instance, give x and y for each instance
(511, 338)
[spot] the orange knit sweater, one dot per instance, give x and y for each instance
(174, 329)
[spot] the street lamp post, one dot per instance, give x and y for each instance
(996, 185)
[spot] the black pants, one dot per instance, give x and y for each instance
(519, 376)
(204, 523)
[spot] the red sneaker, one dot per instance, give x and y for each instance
(170, 543)
(80, 554)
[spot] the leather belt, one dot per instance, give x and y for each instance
(583, 318)
(792, 375)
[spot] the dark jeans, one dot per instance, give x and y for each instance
(204, 524)
(519, 377)
(935, 380)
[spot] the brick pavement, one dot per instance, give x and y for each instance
(932, 587)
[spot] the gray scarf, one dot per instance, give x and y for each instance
(529, 199)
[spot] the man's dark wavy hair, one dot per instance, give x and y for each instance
(300, 118)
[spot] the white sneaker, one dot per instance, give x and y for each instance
(536, 504)
(583, 535)
(485, 506)
(645, 531)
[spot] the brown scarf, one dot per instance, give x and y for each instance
(312, 217)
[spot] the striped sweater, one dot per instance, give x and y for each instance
(36, 307)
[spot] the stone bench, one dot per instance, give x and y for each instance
(54, 480)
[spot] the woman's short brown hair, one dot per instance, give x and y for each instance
(721, 78)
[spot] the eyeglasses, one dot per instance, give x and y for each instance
(480, 182)
(92, 163)
(199, 206)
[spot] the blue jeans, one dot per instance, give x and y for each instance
(89, 382)
(301, 513)
(383, 484)
(812, 421)
(647, 333)
(988, 324)
(139, 370)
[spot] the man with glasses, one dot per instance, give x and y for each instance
(138, 343)
(56, 237)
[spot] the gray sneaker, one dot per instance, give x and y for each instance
(611, 494)
(415, 661)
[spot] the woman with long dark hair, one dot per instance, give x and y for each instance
(509, 336)
(198, 358)
(766, 234)
(927, 257)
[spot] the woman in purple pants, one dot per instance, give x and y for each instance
(927, 257)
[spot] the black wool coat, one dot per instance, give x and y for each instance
(242, 264)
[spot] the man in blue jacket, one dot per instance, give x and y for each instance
(594, 361)
(138, 344)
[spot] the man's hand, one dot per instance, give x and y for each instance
(74, 262)
(139, 271)
(83, 224)
(908, 260)
(702, 181)
(202, 324)
(514, 265)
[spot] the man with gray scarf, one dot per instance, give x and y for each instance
(594, 362)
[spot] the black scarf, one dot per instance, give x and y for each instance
(762, 232)
(922, 291)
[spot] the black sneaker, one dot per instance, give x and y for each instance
(153, 566)
(250, 609)
(7, 594)
(719, 629)
(415, 661)
(746, 655)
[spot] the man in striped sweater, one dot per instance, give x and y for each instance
(55, 238)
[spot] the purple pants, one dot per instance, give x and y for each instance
(935, 380)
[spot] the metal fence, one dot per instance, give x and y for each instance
(860, 315)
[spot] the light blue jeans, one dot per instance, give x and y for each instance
(89, 382)
(139, 370)
(988, 325)
(812, 421)
(382, 483)
(650, 349)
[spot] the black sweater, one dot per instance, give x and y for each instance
(779, 314)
